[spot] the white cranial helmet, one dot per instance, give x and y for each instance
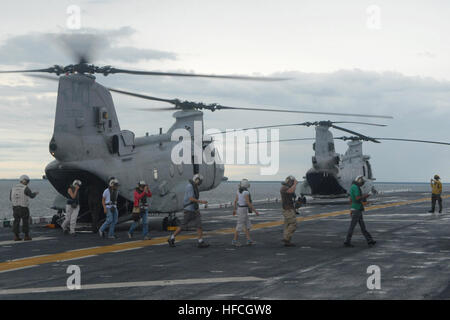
(24, 179)
(244, 183)
(142, 183)
(76, 182)
(113, 182)
(197, 176)
(289, 179)
(359, 178)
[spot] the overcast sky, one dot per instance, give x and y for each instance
(375, 57)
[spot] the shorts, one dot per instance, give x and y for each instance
(243, 222)
(192, 216)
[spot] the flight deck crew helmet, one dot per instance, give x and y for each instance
(436, 177)
(358, 178)
(76, 183)
(244, 184)
(113, 182)
(24, 179)
(289, 180)
(142, 183)
(198, 177)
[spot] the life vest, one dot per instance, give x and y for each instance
(18, 197)
(74, 202)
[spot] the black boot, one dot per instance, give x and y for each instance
(348, 245)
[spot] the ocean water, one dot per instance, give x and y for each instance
(40, 206)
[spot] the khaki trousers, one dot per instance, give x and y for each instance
(290, 224)
(71, 218)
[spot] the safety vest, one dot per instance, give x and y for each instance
(18, 197)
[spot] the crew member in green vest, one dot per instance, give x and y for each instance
(357, 198)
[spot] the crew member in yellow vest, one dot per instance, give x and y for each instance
(19, 197)
(436, 190)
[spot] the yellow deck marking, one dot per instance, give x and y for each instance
(81, 253)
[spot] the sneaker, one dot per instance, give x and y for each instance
(431, 211)
(348, 245)
(203, 244)
(27, 238)
(147, 238)
(73, 234)
(250, 242)
(130, 236)
(17, 238)
(101, 233)
(235, 243)
(371, 243)
(171, 242)
(65, 232)
(112, 237)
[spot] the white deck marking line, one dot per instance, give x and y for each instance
(27, 267)
(42, 255)
(132, 285)
(129, 249)
(17, 242)
(78, 258)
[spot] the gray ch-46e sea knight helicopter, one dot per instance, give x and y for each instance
(332, 174)
(88, 143)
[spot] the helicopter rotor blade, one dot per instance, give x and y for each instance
(53, 69)
(356, 133)
(308, 124)
(393, 139)
(414, 140)
(282, 140)
(365, 123)
(143, 96)
(189, 105)
(109, 70)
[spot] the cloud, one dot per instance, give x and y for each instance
(49, 48)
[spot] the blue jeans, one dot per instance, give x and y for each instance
(112, 216)
(144, 216)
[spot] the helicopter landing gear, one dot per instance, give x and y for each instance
(170, 223)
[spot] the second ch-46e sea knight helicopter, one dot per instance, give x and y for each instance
(332, 174)
(88, 143)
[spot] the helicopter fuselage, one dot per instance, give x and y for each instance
(89, 145)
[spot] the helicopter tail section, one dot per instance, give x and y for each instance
(86, 123)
